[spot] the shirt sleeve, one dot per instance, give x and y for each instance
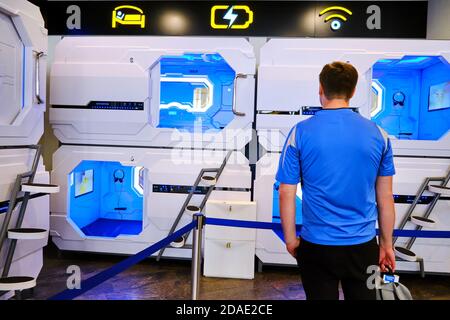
(387, 161)
(289, 164)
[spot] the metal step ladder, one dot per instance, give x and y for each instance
(206, 179)
(15, 233)
(405, 253)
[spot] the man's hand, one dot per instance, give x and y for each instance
(292, 247)
(387, 258)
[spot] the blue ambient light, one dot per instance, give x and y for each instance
(195, 89)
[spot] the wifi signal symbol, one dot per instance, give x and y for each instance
(338, 18)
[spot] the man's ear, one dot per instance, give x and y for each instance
(320, 89)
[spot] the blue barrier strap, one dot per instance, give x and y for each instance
(277, 226)
(246, 224)
(101, 277)
(420, 234)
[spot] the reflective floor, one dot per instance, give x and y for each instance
(170, 279)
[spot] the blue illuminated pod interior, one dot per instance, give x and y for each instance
(411, 97)
(106, 198)
(196, 91)
(276, 208)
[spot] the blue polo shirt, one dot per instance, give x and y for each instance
(337, 156)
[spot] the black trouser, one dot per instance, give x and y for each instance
(322, 267)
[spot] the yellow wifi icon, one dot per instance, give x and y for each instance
(336, 16)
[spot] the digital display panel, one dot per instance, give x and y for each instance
(84, 182)
(439, 96)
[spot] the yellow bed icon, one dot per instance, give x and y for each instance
(130, 15)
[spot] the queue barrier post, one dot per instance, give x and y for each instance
(197, 253)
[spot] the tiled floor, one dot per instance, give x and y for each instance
(170, 279)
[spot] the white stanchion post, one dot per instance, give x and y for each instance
(197, 254)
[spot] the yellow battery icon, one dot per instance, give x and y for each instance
(231, 14)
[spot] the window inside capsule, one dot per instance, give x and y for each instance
(196, 91)
(411, 97)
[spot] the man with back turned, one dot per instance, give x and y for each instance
(344, 163)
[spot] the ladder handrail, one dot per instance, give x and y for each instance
(429, 209)
(20, 199)
(413, 205)
(11, 207)
(25, 146)
(12, 204)
(219, 172)
(191, 193)
(211, 188)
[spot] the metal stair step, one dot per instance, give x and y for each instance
(40, 187)
(178, 243)
(405, 254)
(439, 189)
(191, 210)
(423, 222)
(184, 247)
(208, 180)
(17, 283)
(27, 234)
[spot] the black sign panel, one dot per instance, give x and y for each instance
(376, 19)
(380, 19)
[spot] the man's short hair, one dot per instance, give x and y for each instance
(338, 80)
